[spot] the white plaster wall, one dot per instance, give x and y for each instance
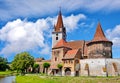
(54, 41)
(96, 67)
(110, 68)
(72, 73)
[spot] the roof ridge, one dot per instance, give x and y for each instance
(75, 41)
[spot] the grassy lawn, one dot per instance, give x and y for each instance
(53, 79)
(5, 73)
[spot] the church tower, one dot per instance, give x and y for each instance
(59, 31)
(100, 46)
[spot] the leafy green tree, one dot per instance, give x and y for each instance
(22, 62)
(3, 64)
(60, 67)
(46, 65)
(36, 67)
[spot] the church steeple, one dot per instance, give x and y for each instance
(100, 46)
(99, 34)
(59, 24)
(59, 31)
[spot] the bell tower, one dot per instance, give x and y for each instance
(59, 31)
(100, 46)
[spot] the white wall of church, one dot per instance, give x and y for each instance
(96, 67)
(54, 35)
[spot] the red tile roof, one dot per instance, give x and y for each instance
(59, 23)
(46, 61)
(71, 54)
(99, 34)
(72, 44)
(39, 59)
(61, 43)
(75, 44)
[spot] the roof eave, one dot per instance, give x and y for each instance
(99, 41)
(61, 47)
(67, 58)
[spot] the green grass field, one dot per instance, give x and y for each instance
(54, 79)
(5, 73)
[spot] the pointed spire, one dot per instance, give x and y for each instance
(99, 34)
(59, 22)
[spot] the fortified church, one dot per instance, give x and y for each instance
(81, 58)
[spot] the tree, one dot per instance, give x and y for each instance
(36, 67)
(46, 65)
(22, 62)
(3, 64)
(60, 67)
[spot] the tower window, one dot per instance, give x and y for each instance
(63, 29)
(56, 38)
(55, 58)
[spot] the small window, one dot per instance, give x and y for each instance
(57, 34)
(66, 61)
(64, 36)
(56, 38)
(54, 52)
(85, 57)
(104, 69)
(57, 53)
(69, 61)
(86, 66)
(55, 58)
(63, 29)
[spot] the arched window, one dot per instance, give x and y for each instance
(56, 38)
(115, 67)
(55, 58)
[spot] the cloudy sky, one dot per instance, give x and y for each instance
(26, 25)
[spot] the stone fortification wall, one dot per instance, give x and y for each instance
(100, 67)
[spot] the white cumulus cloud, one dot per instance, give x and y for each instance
(22, 35)
(31, 8)
(71, 22)
(114, 35)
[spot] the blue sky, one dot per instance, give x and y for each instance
(26, 25)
